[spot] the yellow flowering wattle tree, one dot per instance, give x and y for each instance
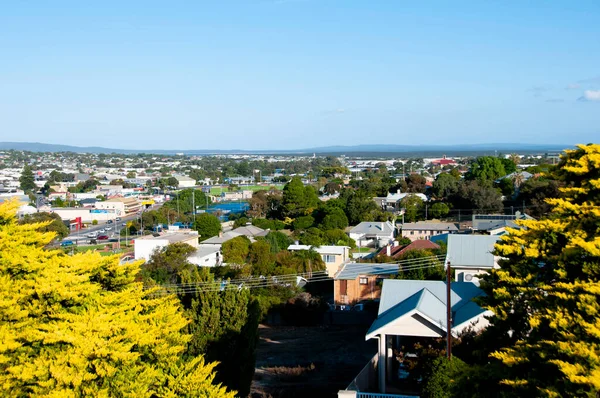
(546, 296)
(80, 325)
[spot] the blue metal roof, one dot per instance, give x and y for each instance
(471, 250)
(352, 270)
(400, 297)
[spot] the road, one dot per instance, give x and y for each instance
(112, 233)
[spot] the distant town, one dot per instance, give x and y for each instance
(332, 269)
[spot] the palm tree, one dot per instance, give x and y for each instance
(518, 179)
(515, 158)
(309, 261)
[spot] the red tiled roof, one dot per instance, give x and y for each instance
(420, 244)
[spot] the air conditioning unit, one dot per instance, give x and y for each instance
(468, 277)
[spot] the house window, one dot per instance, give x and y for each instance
(363, 280)
(329, 258)
(412, 232)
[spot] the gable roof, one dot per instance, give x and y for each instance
(249, 230)
(471, 250)
(221, 239)
(374, 228)
(419, 244)
(400, 298)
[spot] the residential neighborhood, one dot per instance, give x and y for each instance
(299, 198)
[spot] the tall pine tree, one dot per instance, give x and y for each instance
(546, 296)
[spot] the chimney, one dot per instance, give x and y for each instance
(396, 243)
(388, 250)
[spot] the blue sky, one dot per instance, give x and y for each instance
(290, 74)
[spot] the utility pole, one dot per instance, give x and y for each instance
(448, 312)
(425, 211)
(194, 203)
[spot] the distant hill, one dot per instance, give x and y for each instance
(355, 150)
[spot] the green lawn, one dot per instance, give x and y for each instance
(100, 248)
(363, 250)
(218, 190)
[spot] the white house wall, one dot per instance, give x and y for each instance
(409, 325)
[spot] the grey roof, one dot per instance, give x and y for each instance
(428, 226)
(526, 175)
(400, 297)
(221, 239)
(471, 250)
(351, 271)
(205, 250)
(373, 228)
(249, 230)
(339, 250)
(486, 222)
(171, 237)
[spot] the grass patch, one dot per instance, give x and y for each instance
(289, 373)
(218, 190)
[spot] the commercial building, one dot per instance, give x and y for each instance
(122, 206)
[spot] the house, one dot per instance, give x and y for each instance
(396, 251)
(392, 200)
(517, 176)
(373, 233)
(496, 224)
(122, 206)
(206, 256)
(251, 231)
(426, 229)
(418, 309)
(185, 182)
(333, 256)
(471, 255)
(360, 281)
(146, 245)
(217, 241)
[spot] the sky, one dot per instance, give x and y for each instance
(293, 74)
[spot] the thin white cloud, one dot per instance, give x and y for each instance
(334, 111)
(573, 86)
(590, 95)
(593, 80)
(555, 100)
(538, 91)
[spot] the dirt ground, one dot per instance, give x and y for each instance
(309, 361)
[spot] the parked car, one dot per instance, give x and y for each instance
(102, 231)
(109, 222)
(118, 219)
(92, 234)
(107, 228)
(67, 243)
(102, 237)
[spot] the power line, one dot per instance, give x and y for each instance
(364, 266)
(278, 280)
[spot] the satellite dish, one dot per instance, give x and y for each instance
(468, 277)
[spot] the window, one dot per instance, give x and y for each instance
(412, 232)
(328, 258)
(363, 280)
